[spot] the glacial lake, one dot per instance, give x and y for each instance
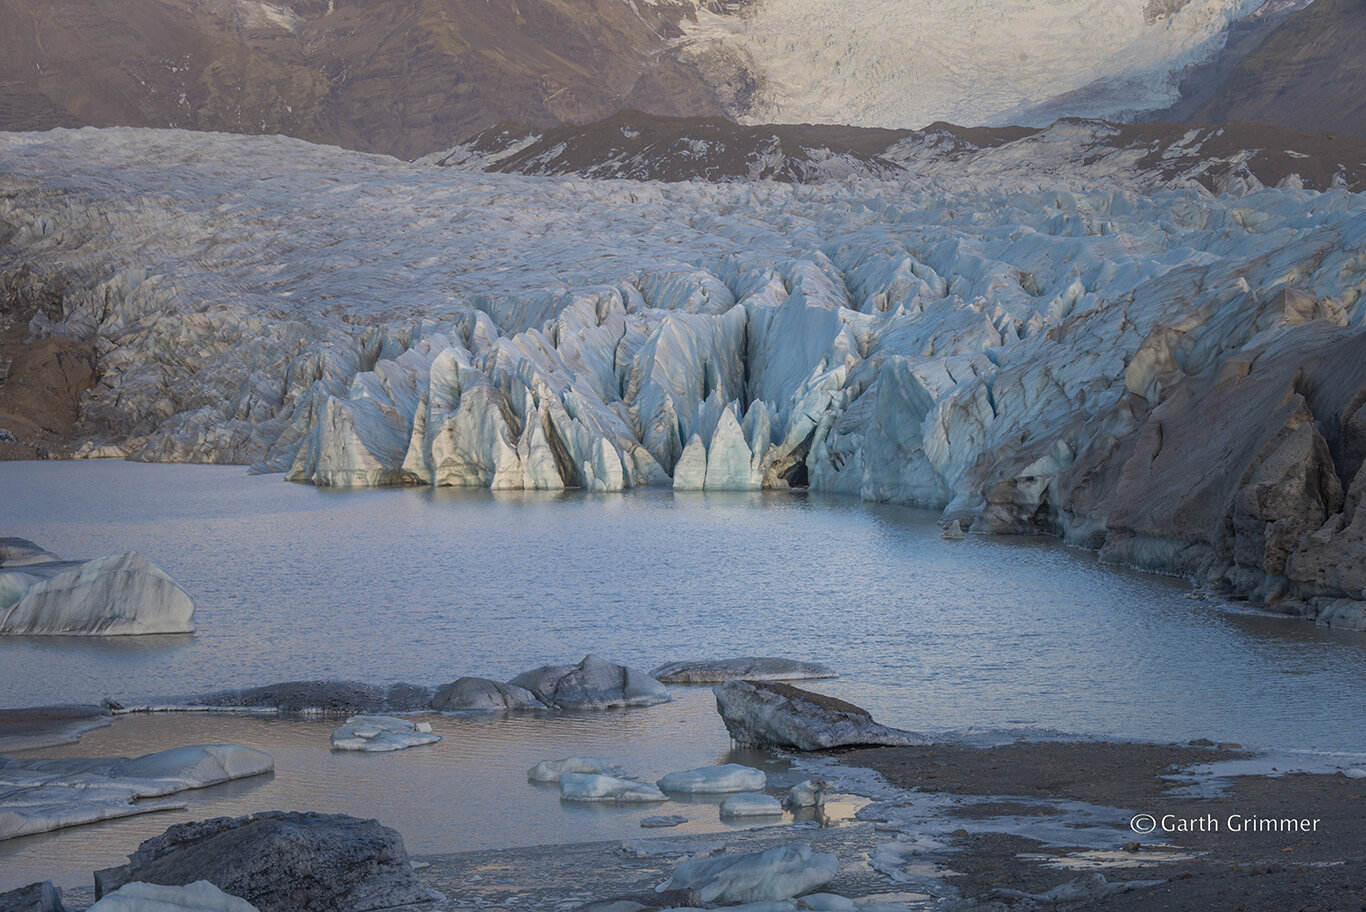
(988, 637)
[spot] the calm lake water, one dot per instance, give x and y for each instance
(417, 585)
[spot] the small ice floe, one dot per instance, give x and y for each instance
(1097, 859)
(592, 787)
(1355, 773)
(381, 733)
(806, 794)
(751, 804)
(900, 860)
(662, 821)
(552, 770)
(778, 874)
(729, 777)
(954, 531)
(200, 896)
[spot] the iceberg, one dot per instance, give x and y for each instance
(118, 595)
(38, 795)
(200, 896)
(381, 733)
(553, 770)
(729, 777)
(770, 714)
(592, 684)
(777, 874)
(593, 787)
(751, 804)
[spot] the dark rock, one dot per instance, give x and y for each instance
(36, 897)
(281, 861)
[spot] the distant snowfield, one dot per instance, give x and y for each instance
(908, 63)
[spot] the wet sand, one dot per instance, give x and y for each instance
(1210, 869)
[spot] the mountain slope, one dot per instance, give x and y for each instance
(1309, 74)
(402, 77)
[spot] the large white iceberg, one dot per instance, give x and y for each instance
(729, 777)
(777, 874)
(381, 733)
(121, 594)
(37, 795)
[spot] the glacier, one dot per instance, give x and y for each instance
(1133, 362)
(909, 63)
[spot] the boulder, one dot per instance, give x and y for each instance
(281, 861)
(730, 777)
(381, 733)
(751, 804)
(118, 595)
(744, 668)
(591, 787)
(483, 695)
(770, 714)
(553, 770)
(592, 684)
(36, 897)
(777, 874)
(200, 896)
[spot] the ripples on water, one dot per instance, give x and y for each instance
(425, 586)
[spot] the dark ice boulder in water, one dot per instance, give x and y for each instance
(769, 714)
(592, 684)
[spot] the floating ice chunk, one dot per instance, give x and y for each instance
(954, 531)
(777, 874)
(200, 896)
(662, 821)
(729, 777)
(118, 595)
(744, 668)
(552, 770)
(592, 684)
(826, 902)
(805, 794)
(658, 848)
(591, 787)
(751, 804)
(381, 733)
(771, 714)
